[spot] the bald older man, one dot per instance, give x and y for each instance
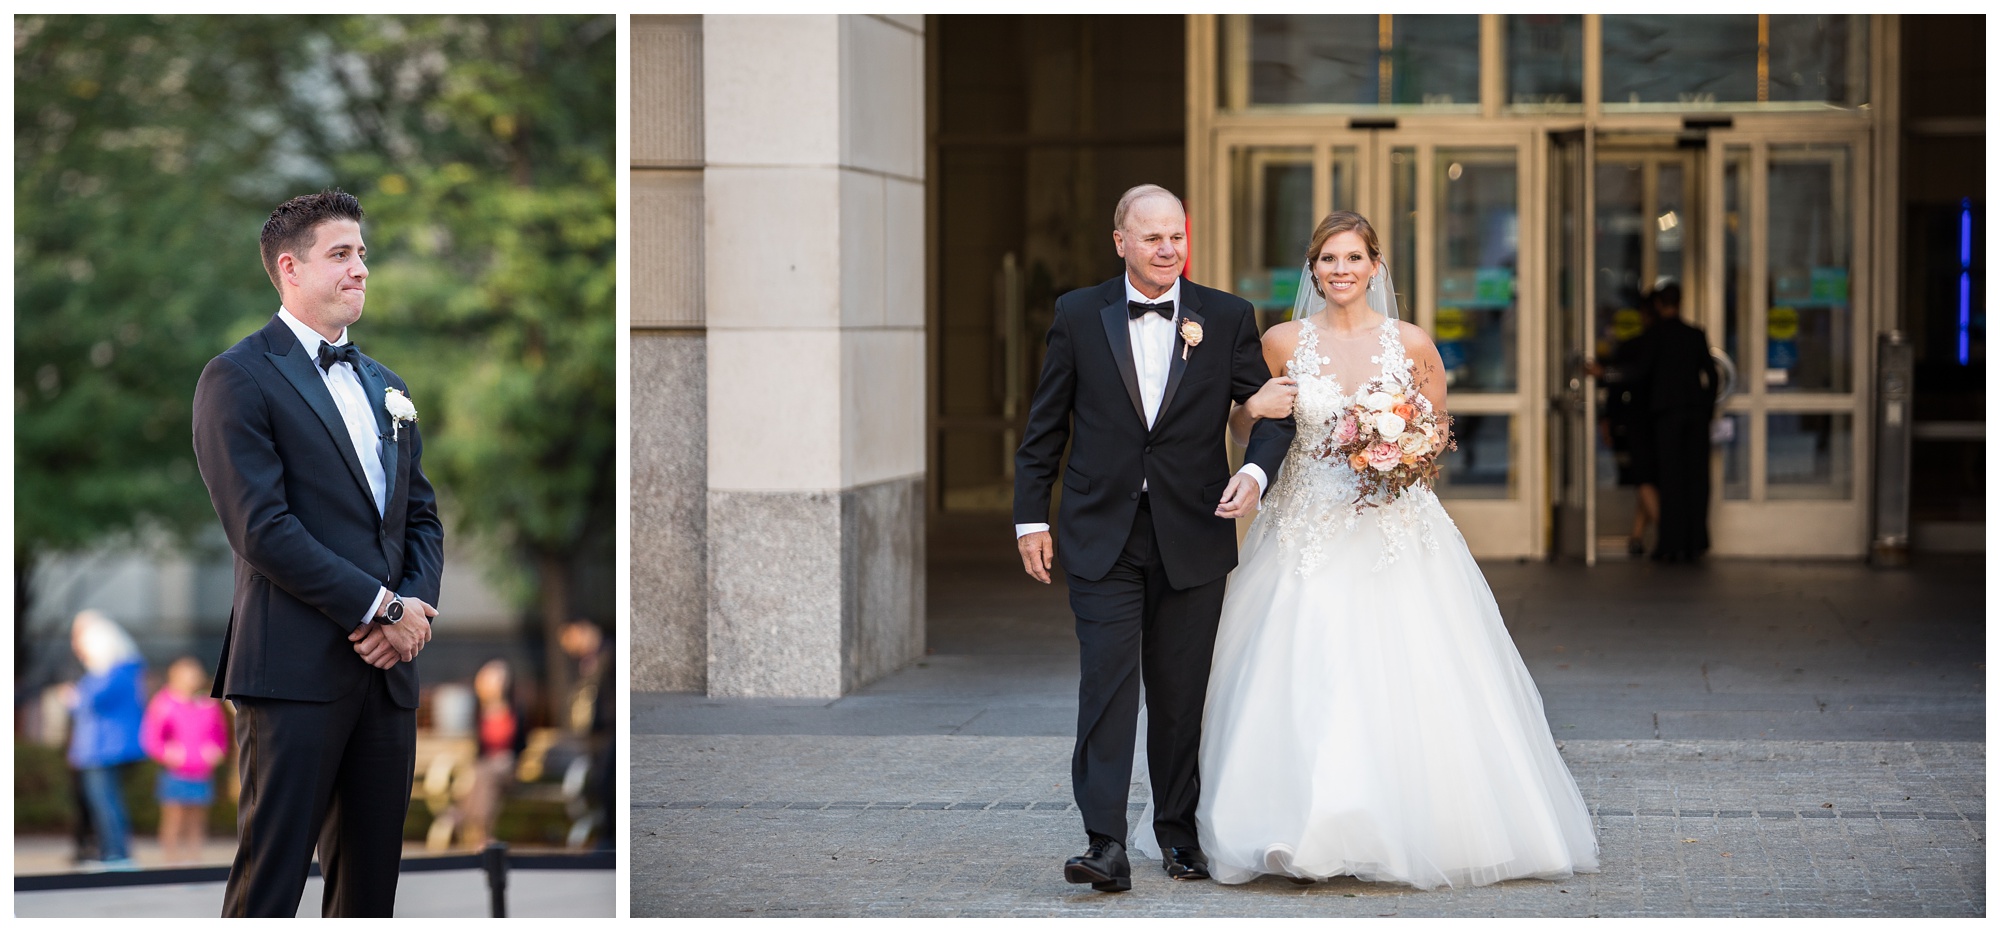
(1140, 375)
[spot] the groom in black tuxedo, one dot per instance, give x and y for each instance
(339, 551)
(1140, 374)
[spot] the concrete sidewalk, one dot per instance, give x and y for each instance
(1754, 739)
(432, 895)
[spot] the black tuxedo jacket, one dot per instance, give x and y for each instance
(1089, 398)
(310, 548)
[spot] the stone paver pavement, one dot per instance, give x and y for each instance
(976, 826)
(1753, 739)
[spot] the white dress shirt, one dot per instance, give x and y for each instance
(355, 411)
(1153, 349)
(1153, 358)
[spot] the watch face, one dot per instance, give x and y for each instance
(395, 611)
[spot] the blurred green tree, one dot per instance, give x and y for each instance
(481, 148)
(135, 152)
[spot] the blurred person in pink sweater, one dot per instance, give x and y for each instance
(185, 731)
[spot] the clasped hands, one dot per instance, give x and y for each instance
(384, 646)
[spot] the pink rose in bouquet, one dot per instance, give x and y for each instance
(1383, 456)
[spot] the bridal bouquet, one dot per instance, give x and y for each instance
(1391, 437)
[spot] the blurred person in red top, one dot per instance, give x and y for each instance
(501, 738)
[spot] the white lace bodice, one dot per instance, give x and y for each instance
(1313, 498)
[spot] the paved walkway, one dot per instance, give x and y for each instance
(1754, 739)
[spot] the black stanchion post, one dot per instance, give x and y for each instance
(494, 859)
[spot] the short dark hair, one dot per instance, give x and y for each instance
(1667, 295)
(290, 227)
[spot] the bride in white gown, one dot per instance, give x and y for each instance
(1367, 713)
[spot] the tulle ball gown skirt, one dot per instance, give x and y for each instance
(1376, 721)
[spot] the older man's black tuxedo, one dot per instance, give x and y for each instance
(1145, 571)
(326, 742)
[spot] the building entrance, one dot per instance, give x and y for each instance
(1530, 177)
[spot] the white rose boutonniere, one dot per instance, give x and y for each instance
(400, 411)
(1190, 334)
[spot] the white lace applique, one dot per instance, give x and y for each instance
(1313, 498)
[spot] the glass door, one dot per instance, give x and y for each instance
(1472, 261)
(1644, 237)
(1791, 233)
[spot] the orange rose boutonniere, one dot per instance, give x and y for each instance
(1190, 335)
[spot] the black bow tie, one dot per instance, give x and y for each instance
(329, 355)
(1140, 309)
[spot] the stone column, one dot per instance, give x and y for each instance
(814, 262)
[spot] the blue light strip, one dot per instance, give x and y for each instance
(1965, 233)
(1965, 318)
(1965, 281)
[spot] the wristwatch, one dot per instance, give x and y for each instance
(394, 611)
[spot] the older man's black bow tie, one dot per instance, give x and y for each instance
(1140, 309)
(330, 354)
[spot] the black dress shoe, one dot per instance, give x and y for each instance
(1186, 863)
(1104, 867)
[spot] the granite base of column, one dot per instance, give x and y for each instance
(882, 565)
(669, 570)
(814, 594)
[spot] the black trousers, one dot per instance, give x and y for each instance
(1133, 627)
(1682, 448)
(331, 776)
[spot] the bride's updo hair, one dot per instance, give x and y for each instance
(1341, 221)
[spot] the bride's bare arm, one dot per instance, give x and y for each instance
(1429, 374)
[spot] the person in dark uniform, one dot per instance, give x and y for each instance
(1674, 372)
(1628, 424)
